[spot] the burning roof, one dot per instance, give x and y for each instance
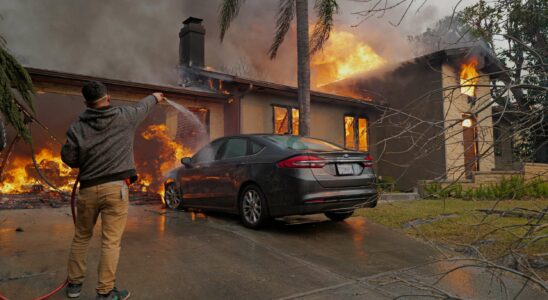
(468, 61)
(342, 57)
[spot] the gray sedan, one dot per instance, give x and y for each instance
(265, 176)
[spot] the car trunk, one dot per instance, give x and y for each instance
(343, 169)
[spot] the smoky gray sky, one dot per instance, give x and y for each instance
(138, 40)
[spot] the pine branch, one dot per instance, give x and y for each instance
(228, 11)
(325, 9)
(13, 77)
(283, 23)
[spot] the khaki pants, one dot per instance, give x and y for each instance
(111, 201)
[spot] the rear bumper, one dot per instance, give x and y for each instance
(298, 192)
(324, 201)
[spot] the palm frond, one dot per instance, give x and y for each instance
(228, 11)
(13, 77)
(325, 10)
(283, 23)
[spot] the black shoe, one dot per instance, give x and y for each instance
(73, 290)
(114, 295)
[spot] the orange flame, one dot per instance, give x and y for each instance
(170, 152)
(20, 174)
(469, 77)
(343, 56)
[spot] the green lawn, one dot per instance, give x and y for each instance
(465, 225)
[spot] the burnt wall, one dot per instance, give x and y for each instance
(409, 130)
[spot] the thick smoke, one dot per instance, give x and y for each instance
(138, 40)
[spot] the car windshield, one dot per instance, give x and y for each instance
(304, 143)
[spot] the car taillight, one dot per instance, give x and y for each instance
(368, 161)
(302, 161)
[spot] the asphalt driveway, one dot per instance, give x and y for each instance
(189, 255)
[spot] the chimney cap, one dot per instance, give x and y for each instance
(193, 20)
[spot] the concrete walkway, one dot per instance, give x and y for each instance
(185, 255)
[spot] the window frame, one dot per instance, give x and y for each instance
(223, 148)
(250, 143)
(356, 127)
(289, 109)
(222, 142)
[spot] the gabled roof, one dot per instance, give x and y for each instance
(491, 64)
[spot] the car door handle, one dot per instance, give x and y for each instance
(242, 164)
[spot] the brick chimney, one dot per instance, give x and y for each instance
(191, 43)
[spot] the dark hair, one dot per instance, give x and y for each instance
(94, 90)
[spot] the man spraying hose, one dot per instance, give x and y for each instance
(100, 144)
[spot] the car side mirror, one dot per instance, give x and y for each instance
(186, 161)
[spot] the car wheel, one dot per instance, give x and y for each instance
(253, 208)
(339, 216)
(172, 197)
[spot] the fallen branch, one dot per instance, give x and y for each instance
(515, 213)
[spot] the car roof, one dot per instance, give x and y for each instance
(260, 135)
(264, 135)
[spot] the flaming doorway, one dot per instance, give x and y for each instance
(470, 142)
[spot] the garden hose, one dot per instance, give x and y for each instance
(73, 212)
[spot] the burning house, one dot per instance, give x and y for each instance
(437, 120)
(429, 131)
(428, 118)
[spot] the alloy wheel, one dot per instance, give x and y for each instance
(252, 206)
(171, 196)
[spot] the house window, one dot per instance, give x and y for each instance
(355, 133)
(286, 120)
(295, 121)
(349, 134)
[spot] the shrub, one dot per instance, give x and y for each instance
(386, 183)
(514, 187)
(436, 190)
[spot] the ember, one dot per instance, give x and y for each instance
(469, 77)
(344, 55)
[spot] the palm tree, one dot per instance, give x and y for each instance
(15, 79)
(325, 10)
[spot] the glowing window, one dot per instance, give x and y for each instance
(295, 121)
(349, 136)
(362, 134)
(286, 122)
(355, 133)
(281, 120)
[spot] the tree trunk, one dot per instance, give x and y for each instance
(303, 58)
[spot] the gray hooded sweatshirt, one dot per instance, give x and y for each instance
(100, 143)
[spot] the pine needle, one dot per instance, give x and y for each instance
(15, 81)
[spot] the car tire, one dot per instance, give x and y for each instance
(253, 208)
(172, 197)
(339, 216)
